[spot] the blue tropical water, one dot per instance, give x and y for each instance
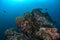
(10, 9)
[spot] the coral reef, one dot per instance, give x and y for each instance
(35, 25)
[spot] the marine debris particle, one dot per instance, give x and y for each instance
(35, 25)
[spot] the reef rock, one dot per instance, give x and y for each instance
(35, 25)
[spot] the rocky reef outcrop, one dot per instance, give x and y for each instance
(35, 25)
